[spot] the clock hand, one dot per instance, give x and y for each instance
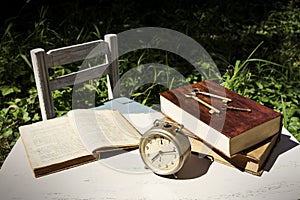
(168, 152)
(156, 156)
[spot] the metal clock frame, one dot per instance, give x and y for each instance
(174, 133)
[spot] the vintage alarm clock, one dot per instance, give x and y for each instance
(165, 148)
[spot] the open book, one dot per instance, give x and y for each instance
(75, 139)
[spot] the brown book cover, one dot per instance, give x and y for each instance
(229, 131)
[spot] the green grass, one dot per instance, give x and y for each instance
(255, 46)
(265, 82)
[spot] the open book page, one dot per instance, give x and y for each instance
(143, 121)
(51, 141)
(103, 128)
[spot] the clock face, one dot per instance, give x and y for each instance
(160, 154)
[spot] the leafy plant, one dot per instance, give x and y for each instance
(263, 82)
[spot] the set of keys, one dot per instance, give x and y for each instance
(213, 110)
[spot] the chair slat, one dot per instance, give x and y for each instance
(79, 77)
(74, 53)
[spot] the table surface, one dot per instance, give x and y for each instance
(123, 176)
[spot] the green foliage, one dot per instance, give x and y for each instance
(263, 82)
(15, 113)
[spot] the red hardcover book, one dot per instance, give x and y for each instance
(229, 131)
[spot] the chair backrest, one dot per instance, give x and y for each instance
(42, 61)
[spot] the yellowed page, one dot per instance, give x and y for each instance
(103, 128)
(52, 141)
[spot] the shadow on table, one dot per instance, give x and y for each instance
(195, 167)
(199, 164)
(103, 153)
(285, 144)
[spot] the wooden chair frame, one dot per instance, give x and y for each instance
(42, 61)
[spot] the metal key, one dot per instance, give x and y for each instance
(224, 99)
(212, 109)
(226, 107)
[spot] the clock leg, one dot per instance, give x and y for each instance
(175, 176)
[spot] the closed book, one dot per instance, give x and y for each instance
(229, 131)
(251, 160)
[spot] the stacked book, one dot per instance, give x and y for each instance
(233, 129)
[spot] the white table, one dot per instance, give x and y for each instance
(123, 176)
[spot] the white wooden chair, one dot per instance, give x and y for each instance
(42, 61)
